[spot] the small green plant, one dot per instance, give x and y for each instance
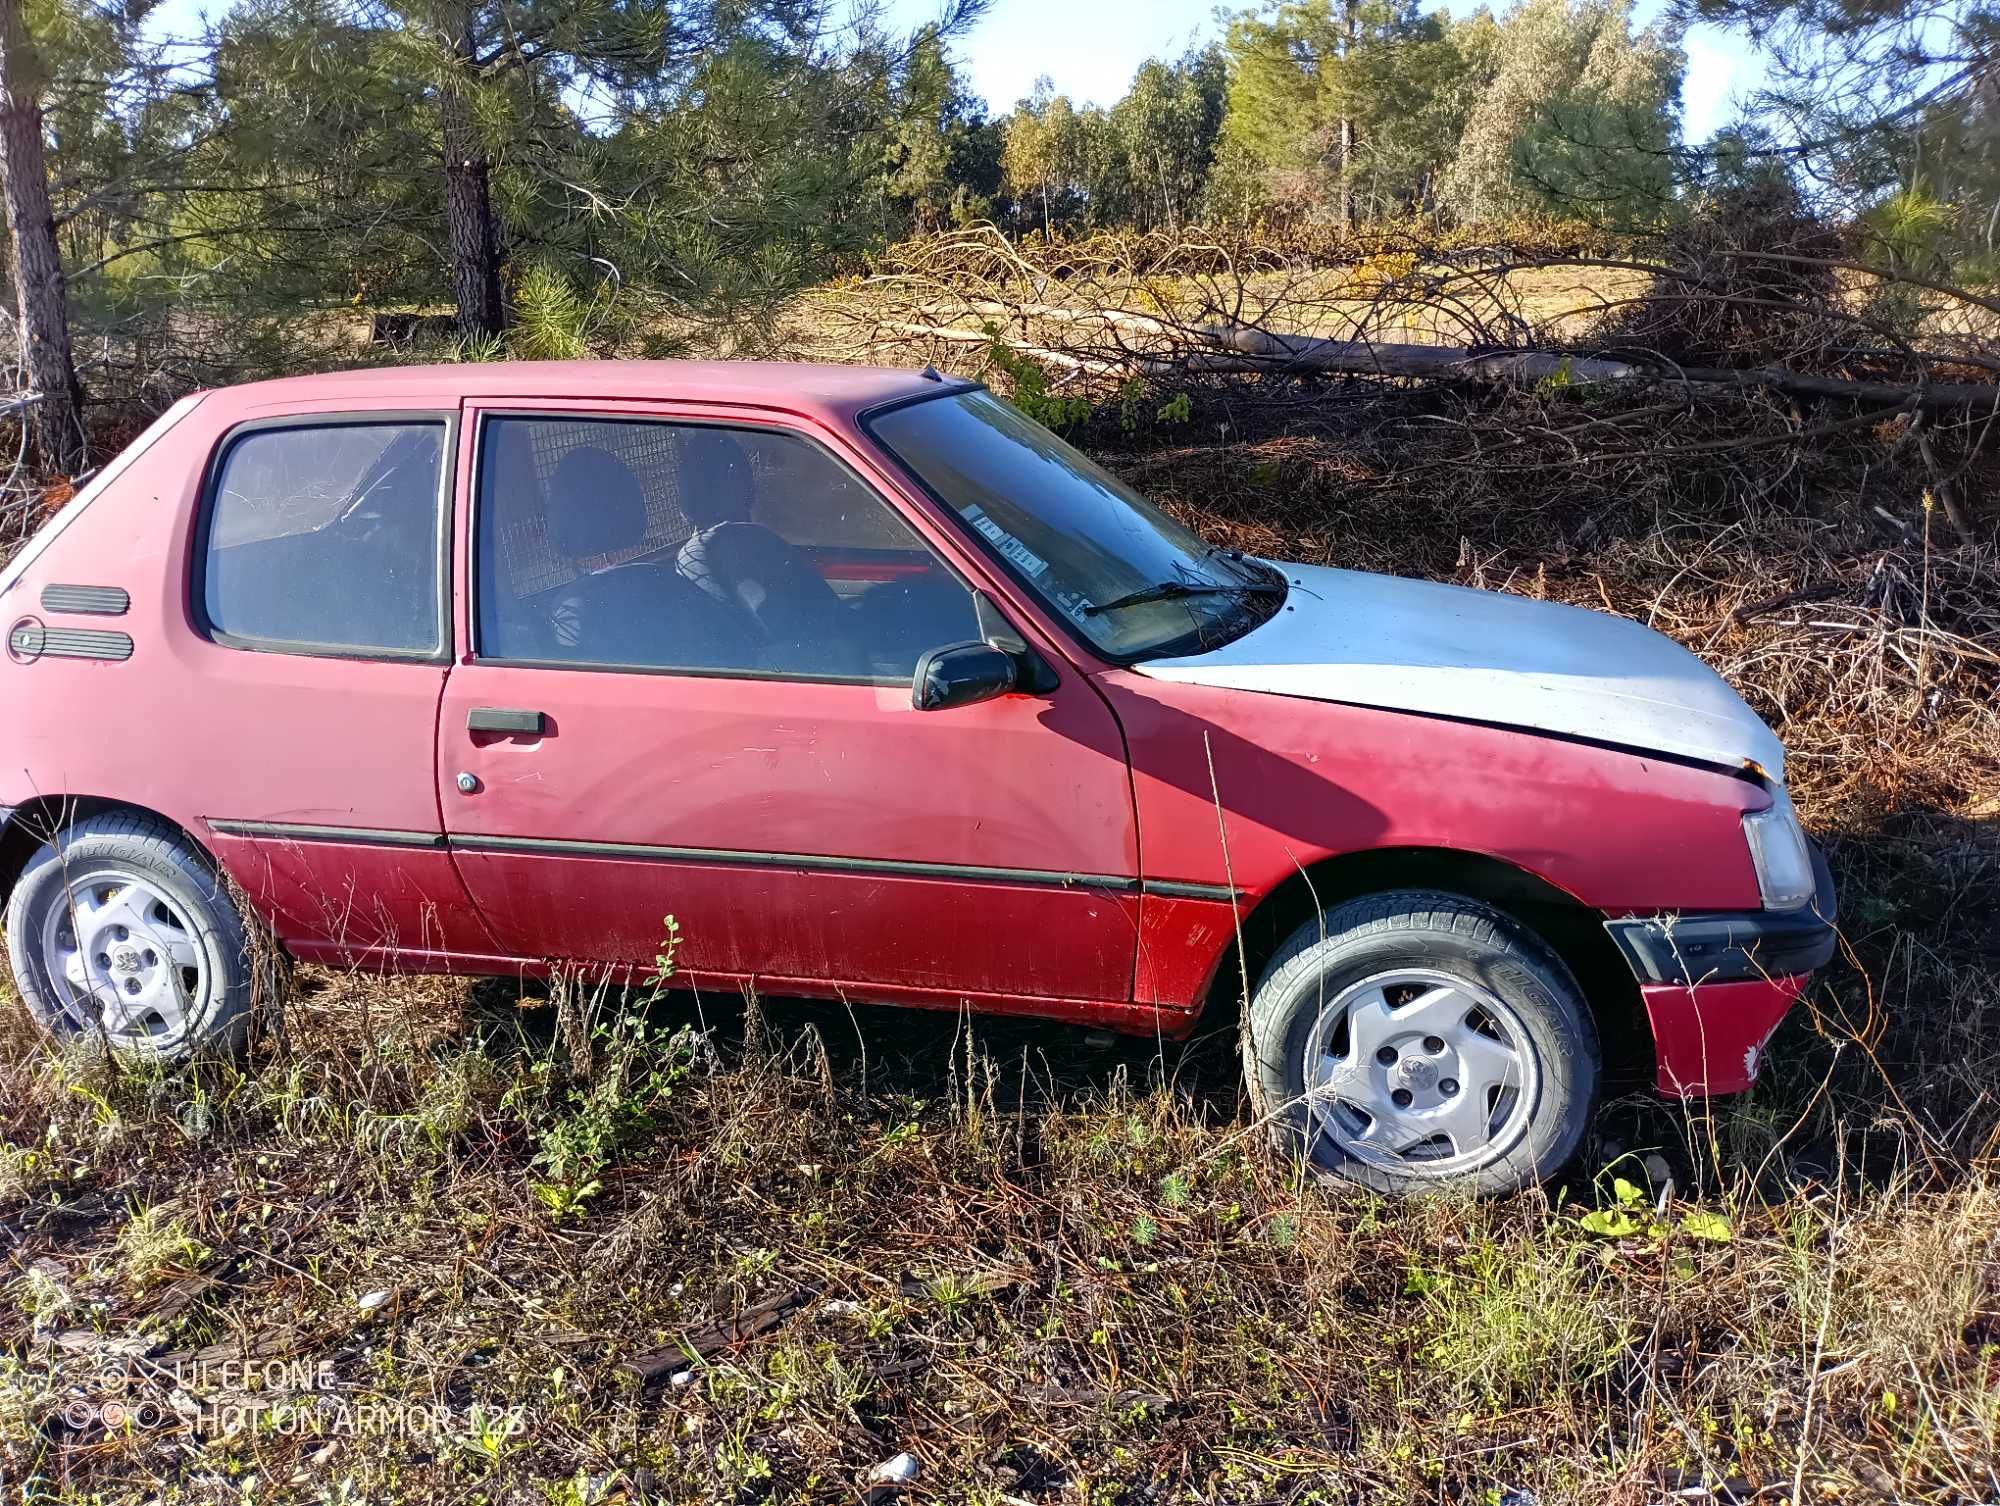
(1504, 1324)
(633, 1068)
(1632, 1215)
(491, 1436)
(152, 1244)
(1629, 1214)
(1129, 398)
(951, 1291)
(1174, 412)
(25, 1168)
(566, 1200)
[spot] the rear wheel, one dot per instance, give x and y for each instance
(120, 930)
(1416, 1040)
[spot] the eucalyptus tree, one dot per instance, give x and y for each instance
(1166, 129)
(1044, 153)
(1580, 117)
(941, 157)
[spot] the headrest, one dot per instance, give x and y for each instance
(596, 505)
(715, 480)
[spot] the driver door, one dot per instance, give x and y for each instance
(649, 724)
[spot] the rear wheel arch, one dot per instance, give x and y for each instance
(37, 821)
(1570, 928)
(120, 924)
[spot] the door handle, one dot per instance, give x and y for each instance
(501, 719)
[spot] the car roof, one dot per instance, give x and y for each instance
(826, 391)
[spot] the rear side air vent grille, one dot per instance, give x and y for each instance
(30, 641)
(88, 601)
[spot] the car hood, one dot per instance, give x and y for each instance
(1413, 645)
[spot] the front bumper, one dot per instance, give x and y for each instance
(1717, 986)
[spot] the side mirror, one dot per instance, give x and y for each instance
(962, 674)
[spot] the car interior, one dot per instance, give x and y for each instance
(328, 535)
(645, 544)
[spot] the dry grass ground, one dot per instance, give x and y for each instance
(434, 1242)
(1338, 303)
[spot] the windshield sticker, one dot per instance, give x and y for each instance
(1074, 604)
(1011, 548)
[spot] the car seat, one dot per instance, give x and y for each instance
(633, 613)
(735, 560)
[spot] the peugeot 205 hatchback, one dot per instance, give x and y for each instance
(883, 692)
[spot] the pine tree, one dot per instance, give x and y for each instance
(1347, 100)
(33, 39)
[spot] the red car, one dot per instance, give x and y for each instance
(883, 692)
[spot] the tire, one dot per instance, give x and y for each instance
(1368, 993)
(126, 903)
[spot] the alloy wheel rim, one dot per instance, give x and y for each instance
(118, 948)
(1420, 1072)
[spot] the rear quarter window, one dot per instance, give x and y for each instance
(326, 538)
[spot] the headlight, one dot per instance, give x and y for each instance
(1779, 853)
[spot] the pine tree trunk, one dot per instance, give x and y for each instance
(470, 226)
(41, 291)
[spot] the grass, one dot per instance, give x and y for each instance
(443, 1242)
(1049, 1273)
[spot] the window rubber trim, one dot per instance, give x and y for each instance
(345, 419)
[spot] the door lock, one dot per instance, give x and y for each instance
(468, 784)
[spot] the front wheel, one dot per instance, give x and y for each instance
(121, 931)
(1414, 1041)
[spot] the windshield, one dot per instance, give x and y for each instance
(1125, 576)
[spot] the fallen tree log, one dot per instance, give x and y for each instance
(982, 337)
(1253, 350)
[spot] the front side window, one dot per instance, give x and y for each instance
(1124, 575)
(324, 538)
(638, 544)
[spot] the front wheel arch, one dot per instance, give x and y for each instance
(1571, 929)
(1416, 1041)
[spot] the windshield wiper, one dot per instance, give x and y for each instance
(1174, 590)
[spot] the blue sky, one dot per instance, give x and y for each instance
(1091, 48)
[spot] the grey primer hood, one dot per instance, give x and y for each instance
(1483, 656)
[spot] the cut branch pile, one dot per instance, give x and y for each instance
(1678, 345)
(1150, 308)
